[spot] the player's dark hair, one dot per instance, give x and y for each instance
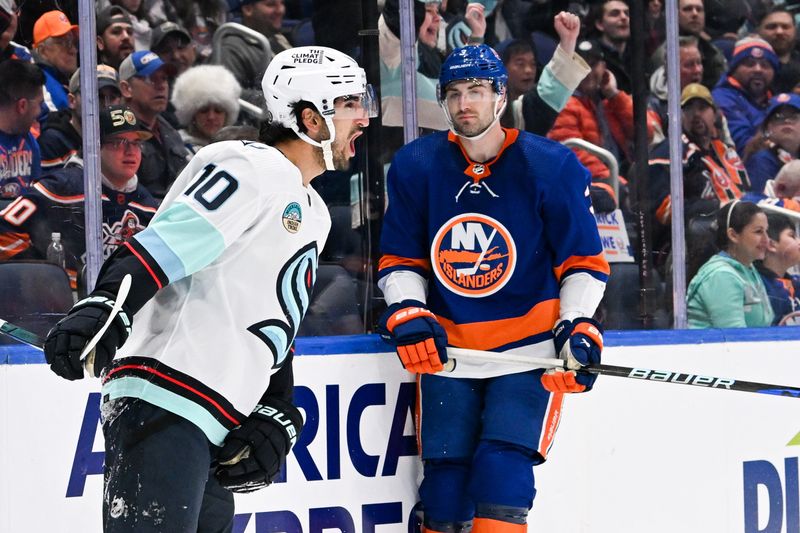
(272, 133)
(19, 79)
(735, 215)
(516, 47)
(778, 223)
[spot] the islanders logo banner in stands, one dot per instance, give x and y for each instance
(473, 255)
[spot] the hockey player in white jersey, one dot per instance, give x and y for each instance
(198, 400)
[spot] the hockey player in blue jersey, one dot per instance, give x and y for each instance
(488, 243)
(198, 400)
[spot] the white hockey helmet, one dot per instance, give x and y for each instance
(318, 75)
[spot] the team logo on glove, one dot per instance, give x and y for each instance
(473, 255)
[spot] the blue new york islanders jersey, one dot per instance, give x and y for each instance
(494, 240)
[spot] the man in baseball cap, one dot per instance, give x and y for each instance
(174, 45)
(55, 45)
(119, 122)
(62, 134)
(142, 64)
(106, 78)
(781, 130)
(713, 175)
(52, 24)
(696, 90)
(145, 84)
(57, 198)
(114, 35)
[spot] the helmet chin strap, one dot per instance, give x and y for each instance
(327, 151)
(478, 136)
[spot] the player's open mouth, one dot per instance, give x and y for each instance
(353, 141)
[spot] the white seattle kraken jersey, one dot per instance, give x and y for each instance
(238, 236)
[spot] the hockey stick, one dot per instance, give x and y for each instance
(666, 376)
(87, 355)
(22, 335)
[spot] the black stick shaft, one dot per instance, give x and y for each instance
(646, 374)
(697, 380)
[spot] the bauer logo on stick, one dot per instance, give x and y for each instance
(473, 255)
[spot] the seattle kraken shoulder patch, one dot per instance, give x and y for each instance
(292, 217)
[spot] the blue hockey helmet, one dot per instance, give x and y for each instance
(472, 62)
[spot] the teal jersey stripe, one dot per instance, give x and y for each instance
(163, 255)
(553, 92)
(133, 387)
(181, 241)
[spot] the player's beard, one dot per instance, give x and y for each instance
(341, 161)
(474, 128)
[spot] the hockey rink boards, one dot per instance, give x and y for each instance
(630, 456)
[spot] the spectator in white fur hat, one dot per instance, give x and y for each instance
(206, 99)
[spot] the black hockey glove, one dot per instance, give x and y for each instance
(254, 452)
(65, 342)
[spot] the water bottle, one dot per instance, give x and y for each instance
(55, 251)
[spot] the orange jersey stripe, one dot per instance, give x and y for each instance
(597, 263)
(58, 160)
(488, 525)
(13, 243)
(145, 208)
(551, 422)
(418, 415)
(57, 197)
(389, 260)
(664, 211)
(494, 333)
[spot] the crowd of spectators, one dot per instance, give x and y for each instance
(187, 73)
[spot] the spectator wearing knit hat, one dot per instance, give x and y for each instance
(743, 95)
(206, 98)
(55, 45)
(114, 36)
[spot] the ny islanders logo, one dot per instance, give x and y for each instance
(473, 255)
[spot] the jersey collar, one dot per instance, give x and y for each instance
(478, 171)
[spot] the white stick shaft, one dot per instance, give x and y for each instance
(87, 355)
(481, 356)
